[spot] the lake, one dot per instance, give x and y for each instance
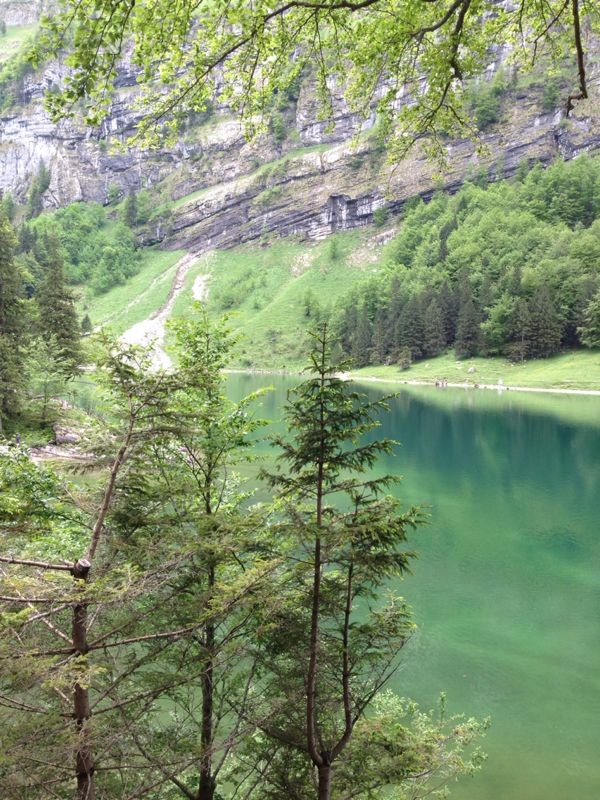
(506, 590)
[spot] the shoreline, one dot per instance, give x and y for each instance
(475, 386)
(466, 385)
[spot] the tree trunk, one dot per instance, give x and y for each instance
(84, 762)
(206, 787)
(325, 782)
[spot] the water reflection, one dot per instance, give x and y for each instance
(507, 587)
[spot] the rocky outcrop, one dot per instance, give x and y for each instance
(315, 194)
(315, 182)
(22, 12)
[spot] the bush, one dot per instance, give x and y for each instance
(550, 97)
(380, 217)
(278, 127)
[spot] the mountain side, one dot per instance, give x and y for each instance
(214, 189)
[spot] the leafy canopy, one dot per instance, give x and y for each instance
(410, 58)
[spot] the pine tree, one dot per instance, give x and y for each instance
(544, 329)
(519, 348)
(411, 328)
(325, 663)
(86, 324)
(39, 186)
(57, 314)
(590, 330)
(361, 344)
(468, 335)
(130, 210)
(397, 300)
(12, 325)
(449, 307)
(434, 337)
(379, 339)
(46, 373)
(8, 206)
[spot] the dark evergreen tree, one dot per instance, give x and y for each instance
(325, 662)
(448, 303)
(12, 325)
(519, 347)
(27, 238)
(395, 304)
(130, 210)
(361, 345)
(468, 335)
(544, 329)
(86, 324)
(410, 330)
(590, 330)
(347, 326)
(8, 206)
(434, 337)
(379, 338)
(57, 314)
(39, 186)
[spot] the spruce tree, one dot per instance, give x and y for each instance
(379, 339)
(12, 325)
(57, 314)
(130, 210)
(86, 324)
(434, 338)
(449, 307)
(411, 329)
(544, 329)
(39, 186)
(334, 642)
(519, 348)
(590, 330)
(8, 205)
(361, 345)
(468, 335)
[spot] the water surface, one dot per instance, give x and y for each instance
(506, 590)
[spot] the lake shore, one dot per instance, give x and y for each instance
(468, 385)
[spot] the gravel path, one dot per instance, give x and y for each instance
(151, 331)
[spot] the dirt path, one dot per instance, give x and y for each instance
(54, 452)
(200, 288)
(151, 331)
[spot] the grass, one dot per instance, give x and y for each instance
(123, 306)
(276, 292)
(267, 290)
(14, 39)
(188, 198)
(578, 369)
(272, 168)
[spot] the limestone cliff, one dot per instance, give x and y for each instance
(302, 179)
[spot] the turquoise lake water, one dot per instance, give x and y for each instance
(506, 590)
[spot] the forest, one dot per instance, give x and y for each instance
(170, 636)
(183, 616)
(507, 268)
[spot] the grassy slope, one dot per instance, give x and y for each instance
(123, 306)
(573, 370)
(265, 288)
(14, 38)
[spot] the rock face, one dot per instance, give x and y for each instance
(22, 12)
(316, 182)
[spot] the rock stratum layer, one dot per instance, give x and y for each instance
(220, 190)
